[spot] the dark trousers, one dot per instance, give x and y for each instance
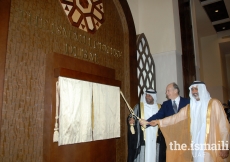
(162, 149)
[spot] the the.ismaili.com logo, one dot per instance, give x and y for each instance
(221, 145)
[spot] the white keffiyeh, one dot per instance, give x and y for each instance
(198, 118)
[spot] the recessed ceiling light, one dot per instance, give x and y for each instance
(223, 28)
(216, 10)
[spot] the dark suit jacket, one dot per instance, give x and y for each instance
(167, 109)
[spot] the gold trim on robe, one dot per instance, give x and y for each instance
(143, 116)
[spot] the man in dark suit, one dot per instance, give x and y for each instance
(172, 93)
(168, 108)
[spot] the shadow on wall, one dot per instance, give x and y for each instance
(227, 109)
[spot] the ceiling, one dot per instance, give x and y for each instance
(210, 22)
(213, 17)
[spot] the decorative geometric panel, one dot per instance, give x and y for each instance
(87, 15)
(146, 66)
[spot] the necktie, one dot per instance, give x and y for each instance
(174, 106)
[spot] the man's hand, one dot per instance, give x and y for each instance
(153, 122)
(131, 121)
(143, 122)
(224, 154)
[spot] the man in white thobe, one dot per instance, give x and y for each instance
(142, 144)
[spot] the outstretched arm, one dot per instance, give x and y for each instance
(181, 115)
(158, 115)
(143, 122)
(154, 122)
(171, 119)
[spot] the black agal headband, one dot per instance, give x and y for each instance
(199, 82)
(152, 92)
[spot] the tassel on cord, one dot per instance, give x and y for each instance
(132, 129)
(56, 133)
(133, 114)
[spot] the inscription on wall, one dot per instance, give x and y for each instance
(70, 49)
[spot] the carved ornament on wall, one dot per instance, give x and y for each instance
(87, 15)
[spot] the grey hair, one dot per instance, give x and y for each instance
(175, 86)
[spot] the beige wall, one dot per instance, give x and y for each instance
(134, 6)
(159, 21)
(212, 67)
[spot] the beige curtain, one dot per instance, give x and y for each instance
(106, 103)
(75, 111)
(86, 107)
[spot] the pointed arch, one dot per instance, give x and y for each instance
(146, 67)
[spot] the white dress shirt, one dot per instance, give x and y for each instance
(177, 101)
